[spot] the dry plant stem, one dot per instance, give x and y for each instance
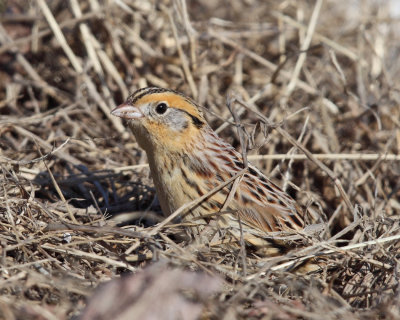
(60, 36)
(77, 66)
(92, 52)
(376, 165)
(182, 56)
(293, 149)
(329, 156)
(235, 185)
(111, 68)
(320, 156)
(95, 203)
(62, 155)
(38, 117)
(289, 264)
(139, 257)
(97, 229)
(11, 221)
(244, 154)
(189, 31)
(239, 129)
(56, 94)
(86, 35)
(304, 47)
(68, 23)
(338, 68)
(37, 239)
(301, 84)
(334, 216)
(309, 155)
(242, 252)
(139, 42)
(360, 181)
(323, 167)
(60, 194)
(334, 45)
(182, 210)
(26, 162)
(185, 253)
(231, 193)
(25, 265)
(87, 255)
(329, 129)
(340, 250)
(240, 111)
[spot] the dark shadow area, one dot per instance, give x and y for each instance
(115, 195)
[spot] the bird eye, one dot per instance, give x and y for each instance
(161, 108)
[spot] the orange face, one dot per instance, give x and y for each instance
(161, 118)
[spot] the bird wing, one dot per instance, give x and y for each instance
(263, 205)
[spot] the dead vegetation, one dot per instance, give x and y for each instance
(77, 205)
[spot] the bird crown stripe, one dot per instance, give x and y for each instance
(144, 92)
(137, 93)
(140, 93)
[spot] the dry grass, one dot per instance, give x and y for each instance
(317, 90)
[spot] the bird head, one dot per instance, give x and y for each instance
(162, 118)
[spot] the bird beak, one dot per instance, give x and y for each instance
(127, 111)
